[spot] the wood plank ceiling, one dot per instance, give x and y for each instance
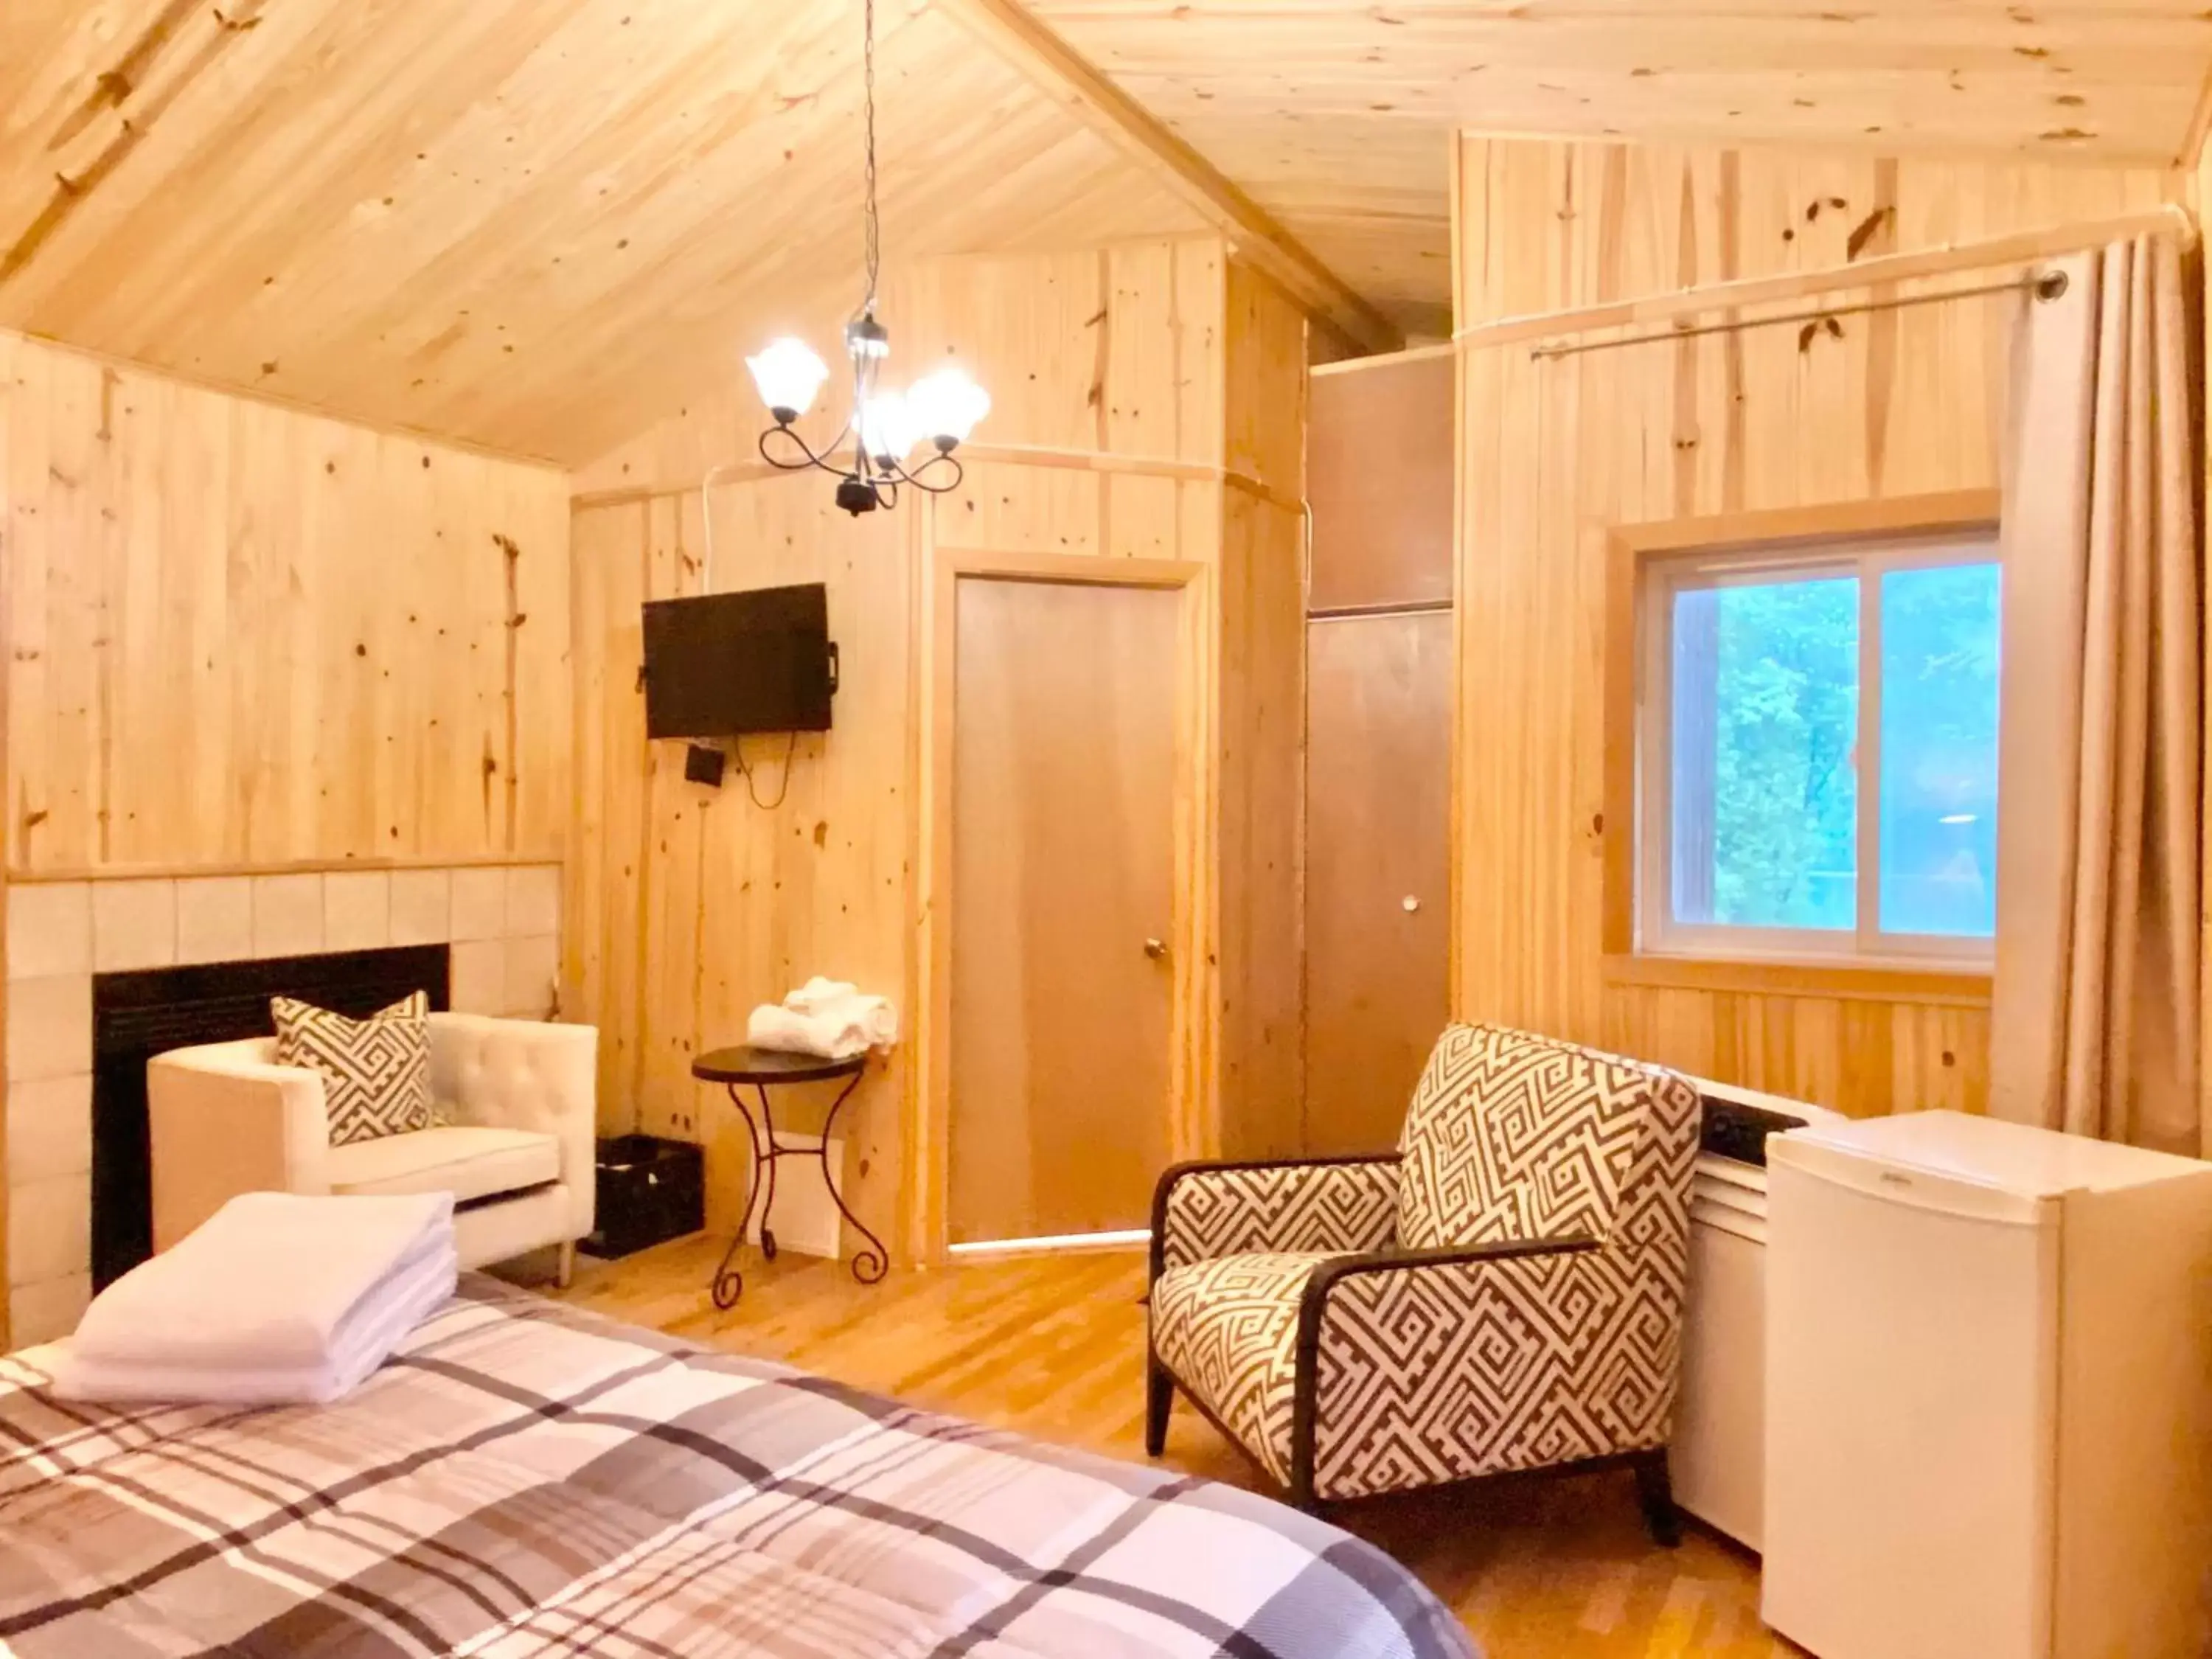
(519, 222)
(1336, 116)
(537, 224)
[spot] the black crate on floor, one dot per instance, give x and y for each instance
(650, 1191)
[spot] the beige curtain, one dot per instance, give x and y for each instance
(2094, 1024)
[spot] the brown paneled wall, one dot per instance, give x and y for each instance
(1378, 728)
(1556, 453)
(1381, 460)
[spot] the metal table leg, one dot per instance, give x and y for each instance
(729, 1283)
(869, 1264)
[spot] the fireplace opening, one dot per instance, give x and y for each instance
(137, 1016)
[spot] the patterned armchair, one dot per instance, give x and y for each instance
(1504, 1293)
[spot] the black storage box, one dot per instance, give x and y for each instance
(650, 1191)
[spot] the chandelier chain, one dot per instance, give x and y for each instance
(788, 375)
(874, 253)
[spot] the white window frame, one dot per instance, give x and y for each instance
(1869, 558)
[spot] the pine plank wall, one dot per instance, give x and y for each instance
(347, 646)
(1148, 404)
(247, 637)
(1555, 453)
(251, 647)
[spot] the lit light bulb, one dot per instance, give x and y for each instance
(945, 406)
(787, 374)
(887, 427)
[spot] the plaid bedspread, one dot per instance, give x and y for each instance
(527, 1478)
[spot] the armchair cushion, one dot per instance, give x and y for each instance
(468, 1160)
(1518, 1137)
(1441, 1370)
(375, 1072)
(1227, 1327)
(525, 1074)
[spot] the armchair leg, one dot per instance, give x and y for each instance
(1159, 1399)
(565, 1271)
(1654, 1489)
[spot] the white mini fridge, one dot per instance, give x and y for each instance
(1989, 1393)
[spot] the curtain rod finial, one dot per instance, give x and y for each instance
(2052, 285)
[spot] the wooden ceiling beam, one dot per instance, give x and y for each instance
(2200, 128)
(1063, 75)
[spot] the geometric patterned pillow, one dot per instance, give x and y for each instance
(376, 1071)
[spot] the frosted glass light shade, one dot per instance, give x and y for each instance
(787, 374)
(887, 429)
(946, 405)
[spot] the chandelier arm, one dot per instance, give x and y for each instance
(919, 476)
(868, 482)
(812, 459)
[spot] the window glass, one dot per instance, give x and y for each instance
(1939, 750)
(1764, 710)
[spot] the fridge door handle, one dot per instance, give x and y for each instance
(1913, 1188)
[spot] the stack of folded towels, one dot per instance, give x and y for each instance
(827, 1018)
(274, 1300)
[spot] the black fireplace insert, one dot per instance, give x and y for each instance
(137, 1016)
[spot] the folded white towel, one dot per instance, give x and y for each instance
(411, 1296)
(275, 1298)
(817, 993)
(838, 1030)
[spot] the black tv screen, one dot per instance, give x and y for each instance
(730, 663)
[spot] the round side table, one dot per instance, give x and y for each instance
(764, 1068)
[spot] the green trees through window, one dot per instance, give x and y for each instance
(1766, 738)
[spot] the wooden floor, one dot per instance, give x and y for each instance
(1054, 1346)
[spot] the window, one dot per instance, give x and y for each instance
(1817, 751)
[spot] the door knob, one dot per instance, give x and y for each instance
(1156, 949)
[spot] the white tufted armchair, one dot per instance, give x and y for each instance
(516, 1101)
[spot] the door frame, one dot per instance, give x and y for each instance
(929, 1117)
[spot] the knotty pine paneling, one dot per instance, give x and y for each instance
(535, 224)
(687, 907)
(1262, 714)
(1547, 226)
(1112, 350)
(1265, 379)
(241, 635)
(1336, 117)
(1554, 453)
(1262, 833)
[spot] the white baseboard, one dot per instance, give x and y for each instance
(1134, 1239)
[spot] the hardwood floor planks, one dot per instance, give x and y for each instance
(1053, 1346)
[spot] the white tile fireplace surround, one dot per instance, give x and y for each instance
(503, 923)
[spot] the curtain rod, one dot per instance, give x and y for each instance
(2049, 286)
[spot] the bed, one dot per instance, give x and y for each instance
(524, 1478)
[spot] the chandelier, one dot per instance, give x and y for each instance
(884, 426)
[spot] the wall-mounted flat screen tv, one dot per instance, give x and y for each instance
(726, 664)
